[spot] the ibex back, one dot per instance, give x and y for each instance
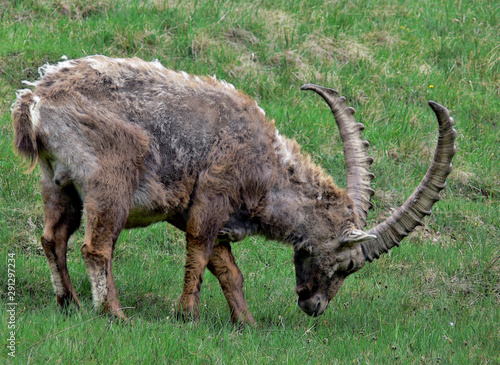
(133, 143)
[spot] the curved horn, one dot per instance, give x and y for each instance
(355, 151)
(390, 232)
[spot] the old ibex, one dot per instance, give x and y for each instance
(134, 143)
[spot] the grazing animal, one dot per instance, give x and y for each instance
(134, 143)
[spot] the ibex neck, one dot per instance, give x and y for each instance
(304, 205)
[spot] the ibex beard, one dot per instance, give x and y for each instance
(133, 143)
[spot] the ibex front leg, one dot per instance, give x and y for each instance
(198, 252)
(206, 218)
(223, 266)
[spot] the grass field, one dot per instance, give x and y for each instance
(436, 299)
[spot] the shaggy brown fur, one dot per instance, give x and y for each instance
(133, 143)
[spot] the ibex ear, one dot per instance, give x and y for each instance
(356, 236)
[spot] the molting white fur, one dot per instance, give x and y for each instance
(48, 68)
(156, 63)
(19, 95)
(227, 85)
(56, 279)
(98, 283)
(284, 150)
(260, 109)
(35, 111)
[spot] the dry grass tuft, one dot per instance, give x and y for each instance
(462, 176)
(202, 45)
(424, 233)
(126, 40)
(237, 42)
(352, 50)
(319, 48)
(383, 38)
(250, 68)
(329, 51)
(279, 24)
(301, 67)
(78, 9)
(163, 5)
(241, 36)
(424, 69)
(468, 183)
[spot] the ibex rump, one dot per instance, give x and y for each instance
(133, 143)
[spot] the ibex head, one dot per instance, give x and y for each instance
(322, 268)
(321, 272)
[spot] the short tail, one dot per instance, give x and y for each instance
(25, 141)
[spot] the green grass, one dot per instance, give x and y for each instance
(436, 299)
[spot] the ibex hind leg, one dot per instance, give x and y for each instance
(62, 214)
(223, 266)
(107, 210)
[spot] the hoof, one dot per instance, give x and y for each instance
(189, 314)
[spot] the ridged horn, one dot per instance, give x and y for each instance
(404, 220)
(355, 151)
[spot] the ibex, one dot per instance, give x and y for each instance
(134, 143)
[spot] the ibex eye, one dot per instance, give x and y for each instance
(350, 266)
